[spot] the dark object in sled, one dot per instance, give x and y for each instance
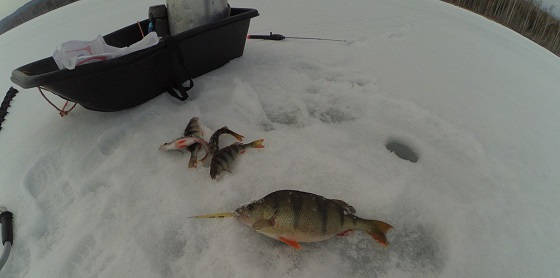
(158, 19)
(132, 79)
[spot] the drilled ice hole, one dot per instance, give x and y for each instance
(402, 150)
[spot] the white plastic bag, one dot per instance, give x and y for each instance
(184, 15)
(75, 53)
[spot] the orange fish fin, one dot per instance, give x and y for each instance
(345, 233)
(380, 238)
(258, 144)
(382, 226)
(379, 230)
(292, 243)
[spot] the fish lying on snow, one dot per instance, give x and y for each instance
(294, 216)
(184, 143)
(193, 129)
(215, 138)
(223, 159)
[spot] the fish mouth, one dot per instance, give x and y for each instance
(238, 212)
(164, 147)
(242, 217)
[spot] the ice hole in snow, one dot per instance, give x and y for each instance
(402, 150)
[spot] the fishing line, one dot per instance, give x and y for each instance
(216, 215)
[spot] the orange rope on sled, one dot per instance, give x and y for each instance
(140, 27)
(62, 112)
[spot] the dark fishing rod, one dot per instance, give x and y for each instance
(6, 220)
(280, 37)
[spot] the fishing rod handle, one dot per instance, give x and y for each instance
(7, 221)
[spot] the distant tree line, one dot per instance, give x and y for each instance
(29, 11)
(527, 17)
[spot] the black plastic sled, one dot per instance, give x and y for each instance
(135, 78)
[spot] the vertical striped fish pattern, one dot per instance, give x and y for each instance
(294, 216)
(223, 159)
(215, 138)
(193, 129)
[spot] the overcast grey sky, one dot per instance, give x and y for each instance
(8, 6)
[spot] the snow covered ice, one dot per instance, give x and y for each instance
(93, 196)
